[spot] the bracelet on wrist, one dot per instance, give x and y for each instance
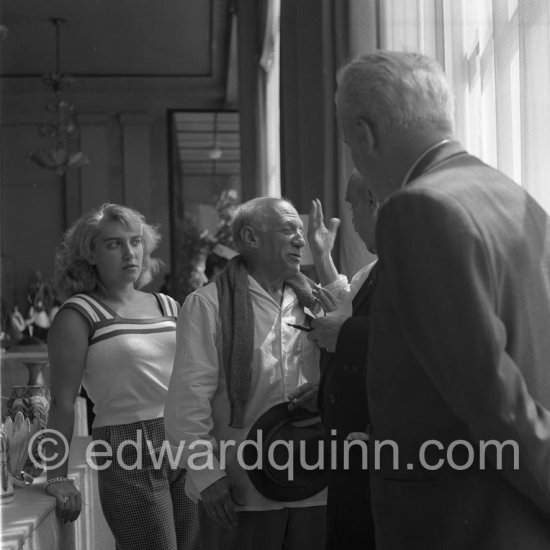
(58, 479)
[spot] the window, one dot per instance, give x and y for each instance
(497, 57)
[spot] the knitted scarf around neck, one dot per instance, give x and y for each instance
(237, 325)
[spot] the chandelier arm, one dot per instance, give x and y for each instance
(57, 24)
(64, 129)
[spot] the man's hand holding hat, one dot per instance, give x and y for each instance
(305, 396)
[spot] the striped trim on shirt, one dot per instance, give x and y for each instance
(104, 324)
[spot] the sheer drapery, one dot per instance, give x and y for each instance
(497, 56)
(258, 94)
(361, 38)
(269, 62)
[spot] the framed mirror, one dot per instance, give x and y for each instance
(205, 187)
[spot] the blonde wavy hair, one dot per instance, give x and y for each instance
(73, 272)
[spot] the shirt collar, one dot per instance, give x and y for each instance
(289, 297)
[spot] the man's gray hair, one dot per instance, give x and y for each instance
(395, 91)
(254, 213)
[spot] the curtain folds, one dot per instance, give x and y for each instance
(251, 27)
(308, 129)
(270, 65)
(534, 62)
(361, 18)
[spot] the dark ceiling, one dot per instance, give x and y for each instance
(166, 43)
(113, 37)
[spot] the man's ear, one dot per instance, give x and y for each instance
(366, 132)
(249, 237)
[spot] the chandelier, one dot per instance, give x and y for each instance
(63, 130)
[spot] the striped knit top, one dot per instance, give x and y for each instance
(129, 361)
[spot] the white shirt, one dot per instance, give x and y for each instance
(129, 361)
(197, 406)
(344, 292)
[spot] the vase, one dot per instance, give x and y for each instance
(33, 401)
(36, 372)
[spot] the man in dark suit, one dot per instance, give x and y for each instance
(342, 395)
(458, 377)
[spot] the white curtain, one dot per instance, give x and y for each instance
(496, 54)
(269, 62)
(361, 39)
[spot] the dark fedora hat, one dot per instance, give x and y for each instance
(286, 461)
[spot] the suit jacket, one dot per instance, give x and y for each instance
(343, 405)
(342, 393)
(459, 354)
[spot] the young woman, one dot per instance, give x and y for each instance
(119, 342)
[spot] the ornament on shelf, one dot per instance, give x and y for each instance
(19, 431)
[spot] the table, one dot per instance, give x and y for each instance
(30, 521)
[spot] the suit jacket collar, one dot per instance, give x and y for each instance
(432, 157)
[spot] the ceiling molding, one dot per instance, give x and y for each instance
(105, 39)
